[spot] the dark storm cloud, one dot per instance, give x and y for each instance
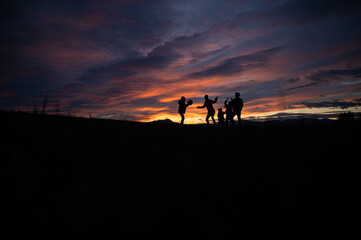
(123, 75)
(334, 73)
(299, 116)
(157, 59)
(45, 36)
(235, 65)
(302, 86)
(348, 76)
(94, 23)
(199, 56)
(301, 12)
(332, 104)
(294, 80)
(293, 13)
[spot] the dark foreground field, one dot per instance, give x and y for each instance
(90, 178)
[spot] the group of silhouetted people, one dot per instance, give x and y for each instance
(233, 108)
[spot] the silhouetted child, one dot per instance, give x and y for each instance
(237, 107)
(182, 107)
(208, 103)
(220, 117)
(229, 111)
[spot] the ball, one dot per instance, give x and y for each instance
(190, 102)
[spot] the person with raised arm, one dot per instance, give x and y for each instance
(208, 103)
(229, 111)
(182, 107)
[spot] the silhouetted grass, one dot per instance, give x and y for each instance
(85, 178)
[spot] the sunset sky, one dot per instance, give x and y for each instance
(134, 59)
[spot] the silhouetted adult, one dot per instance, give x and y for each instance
(229, 111)
(208, 103)
(237, 107)
(182, 107)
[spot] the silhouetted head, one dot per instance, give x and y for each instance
(206, 97)
(237, 94)
(183, 99)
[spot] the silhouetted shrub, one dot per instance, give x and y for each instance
(346, 117)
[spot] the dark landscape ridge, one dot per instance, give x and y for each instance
(94, 178)
(285, 122)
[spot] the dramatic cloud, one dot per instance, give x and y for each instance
(332, 76)
(236, 65)
(118, 58)
(332, 104)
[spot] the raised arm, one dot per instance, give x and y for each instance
(215, 100)
(204, 105)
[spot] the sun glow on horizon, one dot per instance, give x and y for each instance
(197, 118)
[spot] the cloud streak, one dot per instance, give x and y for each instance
(237, 65)
(332, 104)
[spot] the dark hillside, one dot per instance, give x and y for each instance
(106, 179)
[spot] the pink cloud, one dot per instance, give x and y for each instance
(129, 20)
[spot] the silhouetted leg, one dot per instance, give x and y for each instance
(214, 121)
(228, 119)
(239, 118)
(208, 115)
(182, 115)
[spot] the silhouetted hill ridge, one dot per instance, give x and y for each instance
(109, 179)
(245, 123)
(163, 121)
